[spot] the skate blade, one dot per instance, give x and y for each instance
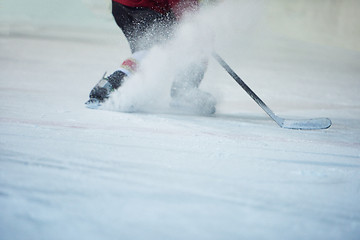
(93, 103)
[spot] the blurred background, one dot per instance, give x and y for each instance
(334, 22)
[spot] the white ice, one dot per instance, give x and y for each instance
(68, 172)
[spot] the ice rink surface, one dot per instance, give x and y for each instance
(68, 172)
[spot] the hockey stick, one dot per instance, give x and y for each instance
(304, 124)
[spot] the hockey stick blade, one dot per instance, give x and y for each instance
(306, 124)
(303, 124)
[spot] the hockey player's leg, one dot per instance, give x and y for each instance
(143, 28)
(186, 96)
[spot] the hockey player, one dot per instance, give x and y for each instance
(144, 24)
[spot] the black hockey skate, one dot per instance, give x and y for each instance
(102, 90)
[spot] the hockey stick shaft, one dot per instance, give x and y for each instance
(247, 89)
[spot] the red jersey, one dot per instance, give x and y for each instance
(163, 6)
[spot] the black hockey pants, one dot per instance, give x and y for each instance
(143, 27)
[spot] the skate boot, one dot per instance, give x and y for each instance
(193, 101)
(101, 92)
